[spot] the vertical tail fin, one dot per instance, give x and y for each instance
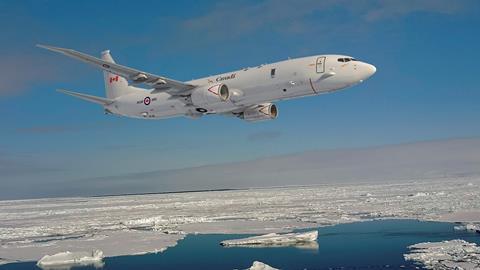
(115, 85)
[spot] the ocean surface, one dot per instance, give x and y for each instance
(363, 245)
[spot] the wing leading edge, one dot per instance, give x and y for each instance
(160, 83)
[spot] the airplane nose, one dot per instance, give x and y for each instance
(371, 69)
(366, 71)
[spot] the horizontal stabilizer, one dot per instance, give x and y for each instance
(99, 100)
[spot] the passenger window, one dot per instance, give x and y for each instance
(272, 72)
(340, 60)
(347, 59)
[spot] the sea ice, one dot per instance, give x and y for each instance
(4, 261)
(112, 243)
(29, 229)
(67, 259)
(420, 194)
(468, 227)
(454, 254)
(274, 239)
(260, 266)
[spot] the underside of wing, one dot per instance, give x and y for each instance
(160, 83)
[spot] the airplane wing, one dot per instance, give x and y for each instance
(160, 83)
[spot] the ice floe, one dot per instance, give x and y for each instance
(260, 266)
(420, 194)
(5, 261)
(468, 227)
(274, 239)
(454, 254)
(67, 259)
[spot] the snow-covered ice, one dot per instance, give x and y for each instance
(123, 225)
(112, 243)
(468, 227)
(69, 259)
(274, 239)
(261, 266)
(454, 254)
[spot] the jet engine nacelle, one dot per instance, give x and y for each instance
(265, 111)
(205, 96)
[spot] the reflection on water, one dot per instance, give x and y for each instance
(69, 266)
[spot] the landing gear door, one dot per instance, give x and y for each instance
(320, 66)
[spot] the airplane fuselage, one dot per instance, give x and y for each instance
(267, 83)
(248, 93)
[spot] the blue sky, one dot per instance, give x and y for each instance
(425, 87)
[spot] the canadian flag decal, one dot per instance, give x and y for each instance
(114, 79)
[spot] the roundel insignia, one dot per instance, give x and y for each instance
(147, 101)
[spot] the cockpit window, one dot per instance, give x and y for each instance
(346, 59)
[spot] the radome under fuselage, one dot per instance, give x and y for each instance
(287, 79)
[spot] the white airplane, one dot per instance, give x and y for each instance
(248, 93)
